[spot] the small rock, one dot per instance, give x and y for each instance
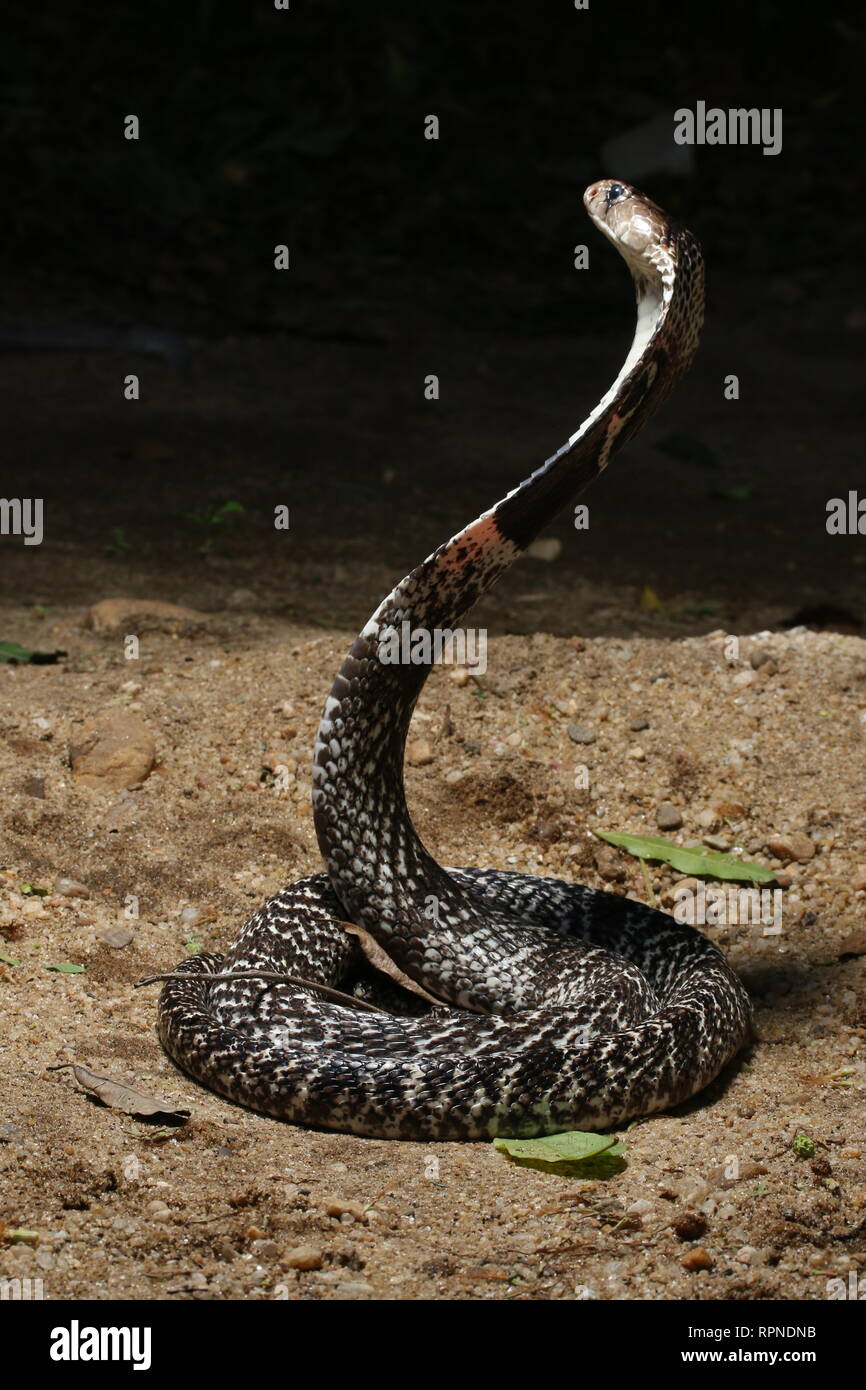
(858, 879)
(116, 937)
(795, 845)
(550, 548)
(689, 1225)
(741, 678)
(419, 752)
(35, 786)
(354, 1288)
(639, 724)
(609, 865)
(302, 1257)
(642, 1207)
(748, 1255)
(115, 750)
(668, 817)
(141, 614)
(459, 675)
(698, 1258)
(579, 733)
(278, 759)
(759, 657)
(337, 1206)
(708, 820)
(637, 753)
(190, 916)
(716, 842)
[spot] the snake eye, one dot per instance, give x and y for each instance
(615, 192)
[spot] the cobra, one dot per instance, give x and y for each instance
(550, 1006)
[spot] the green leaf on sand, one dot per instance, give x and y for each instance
(7, 960)
(14, 652)
(705, 863)
(66, 967)
(574, 1154)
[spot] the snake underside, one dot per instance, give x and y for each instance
(548, 1006)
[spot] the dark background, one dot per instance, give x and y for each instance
(410, 257)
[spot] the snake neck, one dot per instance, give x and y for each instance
(383, 875)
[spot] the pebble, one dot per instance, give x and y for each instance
(637, 753)
(668, 817)
(71, 888)
(190, 916)
(795, 845)
(116, 750)
(459, 675)
(698, 1258)
(749, 1255)
(717, 842)
(579, 733)
(354, 1288)
(115, 937)
(302, 1257)
(741, 678)
(419, 752)
(858, 880)
(642, 1207)
(639, 724)
(338, 1206)
(609, 865)
(690, 1225)
(759, 657)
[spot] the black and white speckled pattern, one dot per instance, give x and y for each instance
(565, 1008)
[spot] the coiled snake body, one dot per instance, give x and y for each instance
(562, 1007)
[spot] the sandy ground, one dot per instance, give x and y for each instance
(752, 745)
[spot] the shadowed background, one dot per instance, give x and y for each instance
(411, 257)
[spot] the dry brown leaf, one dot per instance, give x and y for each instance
(117, 1095)
(380, 960)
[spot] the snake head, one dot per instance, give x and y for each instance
(633, 222)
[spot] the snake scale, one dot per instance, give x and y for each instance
(557, 1006)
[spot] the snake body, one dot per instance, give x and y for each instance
(560, 1007)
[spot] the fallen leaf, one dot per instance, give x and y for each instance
(117, 1095)
(14, 652)
(575, 1152)
(380, 960)
(705, 863)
